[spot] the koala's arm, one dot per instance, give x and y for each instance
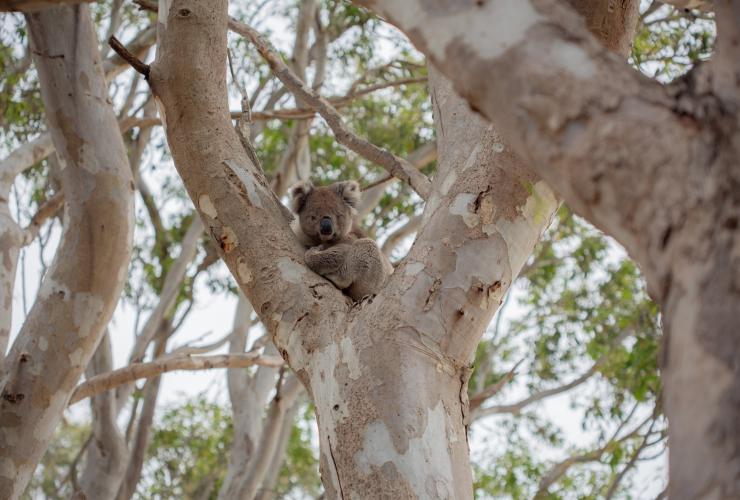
(331, 263)
(368, 269)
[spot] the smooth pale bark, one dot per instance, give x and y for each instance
(80, 290)
(11, 241)
(654, 166)
(249, 394)
(247, 404)
(269, 438)
(21, 159)
(267, 490)
(107, 448)
(11, 235)
(393, 421)
(142, 437)
(163, 310)
(33, 5)
(388, 376)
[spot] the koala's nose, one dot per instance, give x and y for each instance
(325, 226)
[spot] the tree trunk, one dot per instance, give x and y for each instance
(80, 291)
(654, 166)
(105, 459)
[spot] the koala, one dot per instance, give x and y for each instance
(338, 250)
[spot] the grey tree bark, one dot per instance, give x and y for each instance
(107, 449)
(389, 387)
(654, 166)
(81, 289)
(388, 376)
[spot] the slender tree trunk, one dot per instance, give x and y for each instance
(81, 289)
(106, 456)
(142, 437)
(269, 484)
(261, 461)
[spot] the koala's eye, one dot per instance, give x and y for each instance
(312, 218)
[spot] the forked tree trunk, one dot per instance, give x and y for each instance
(654, 166)
(388, 376)
(81, 289)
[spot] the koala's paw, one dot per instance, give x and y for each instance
(314, 250)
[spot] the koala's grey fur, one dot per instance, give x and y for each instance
(344, 256)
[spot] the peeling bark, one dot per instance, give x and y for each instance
(388, 376)
(80, 291)
(654, 166)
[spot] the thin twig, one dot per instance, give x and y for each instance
(127, 56)
(396, 166)
(244, 120)
(493, 389)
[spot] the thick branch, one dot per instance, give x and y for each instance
(33, 5)
(559, 98)
(241, 213)
(136, 371)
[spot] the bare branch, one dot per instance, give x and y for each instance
(373, 192)
(633, 460)
(395, 165)
(127, 56)
(493, 389)
(137, 46)
(24, 157)
(539, 396)
(396, 237)
(560, 468)
(170, 288)
(189, 350)
(49, 209)
(152, 369)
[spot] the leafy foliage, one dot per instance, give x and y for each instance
(188, 452)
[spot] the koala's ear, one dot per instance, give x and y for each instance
(298, 194)
(349, 191)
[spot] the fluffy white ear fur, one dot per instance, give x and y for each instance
(349, 191)
(298, 194)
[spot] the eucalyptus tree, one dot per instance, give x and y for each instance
(389, 377)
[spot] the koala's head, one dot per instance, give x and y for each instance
(325, 213)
